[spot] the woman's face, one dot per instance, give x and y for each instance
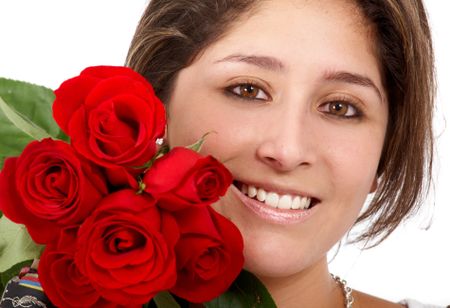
(294, 97)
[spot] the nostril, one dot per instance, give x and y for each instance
(273, 161)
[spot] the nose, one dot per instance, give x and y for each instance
(288, 141)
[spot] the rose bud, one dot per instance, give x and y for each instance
(183, 178)
(126, 248)
(209, 254)
(47, 187)
(113, 118)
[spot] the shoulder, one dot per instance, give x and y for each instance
(363, 300)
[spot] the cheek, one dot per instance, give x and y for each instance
(189, 120)
(353, 162)
(187, 123)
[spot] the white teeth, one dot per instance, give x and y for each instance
(244, 189)
(274, 200)
(296, 203)
(302, 203)
(261, 195)
(285, 202)
(307, 202)
(252, 191)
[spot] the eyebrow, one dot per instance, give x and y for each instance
(264, 62)
(353, 78)
(273, 64)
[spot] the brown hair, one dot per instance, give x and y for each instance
(172, 33)
(405, 51)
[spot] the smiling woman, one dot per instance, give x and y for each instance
(270, 144)
(311, 102)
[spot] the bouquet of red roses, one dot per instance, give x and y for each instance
(122, 217)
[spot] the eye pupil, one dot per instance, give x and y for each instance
(248, 90)
(338, 108)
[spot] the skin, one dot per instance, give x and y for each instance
(298, 127)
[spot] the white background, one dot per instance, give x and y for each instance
(46, 42)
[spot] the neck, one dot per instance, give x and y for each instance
(313, 287)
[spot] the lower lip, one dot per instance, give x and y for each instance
(274, 215)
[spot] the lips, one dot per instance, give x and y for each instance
(274, 206)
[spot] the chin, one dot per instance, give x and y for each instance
(271, 250)
(277, 256)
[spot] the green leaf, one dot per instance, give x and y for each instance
(10, 273)
(15, 245)
(165, 300)
(246, 292)
(22, 123)
(198, 145)
(27, 103)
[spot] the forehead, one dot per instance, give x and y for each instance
(348, 10)
(295, 20)
(321, 34)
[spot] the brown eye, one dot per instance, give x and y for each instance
(249, 91)
(338, 108)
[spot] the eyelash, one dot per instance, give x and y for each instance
(349, 103)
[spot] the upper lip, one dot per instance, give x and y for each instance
(278, 189)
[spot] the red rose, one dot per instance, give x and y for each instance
(183, 177)
(209, 254)
(49, 186)
(61, 279)
(112, 116)
(126, 248)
